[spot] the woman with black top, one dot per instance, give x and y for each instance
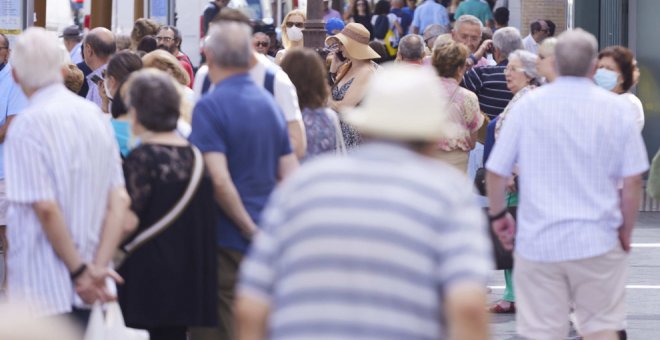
(360, 13)
(171, 277)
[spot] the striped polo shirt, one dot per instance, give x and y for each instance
(59, 149)
(364, 247)
(489, 84)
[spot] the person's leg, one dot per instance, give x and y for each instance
(228, 263)
(598, 287)
(167, 333)
(542, 299)
(507, 304)
(508, 289)
(80, 317)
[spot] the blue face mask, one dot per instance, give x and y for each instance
(606, 79)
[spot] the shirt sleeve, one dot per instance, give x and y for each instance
(634, 157)
(507, 147)
(287, 97)
(26, 163)
(207, 133)
(472, 80)
(16, 101)
(416, 21)
(444, 17)
(473, 117)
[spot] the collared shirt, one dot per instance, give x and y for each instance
(489, 84)
(242, 121)
(93, 92)
(365, 246)
(530, 44)
(477, 8)
(573, 143)
(12, 101)
(430, 12)
(76, 54)
(59, 149)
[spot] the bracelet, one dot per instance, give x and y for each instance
(76, 274)
(493, 218)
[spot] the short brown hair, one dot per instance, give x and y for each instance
(624, 58)
(73, 80)
(449, 58)
(307, 72)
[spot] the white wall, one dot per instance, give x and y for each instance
(189, 13)
(122, 16)
(515, 13)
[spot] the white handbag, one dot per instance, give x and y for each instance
(112, 326)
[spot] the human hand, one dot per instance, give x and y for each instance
(511, 185)
(91, 285)
(505, 229)
(485, 48)
(625, 238)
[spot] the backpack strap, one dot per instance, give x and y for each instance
(269, 81)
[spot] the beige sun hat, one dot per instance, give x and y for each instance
(406, 103)
(355, 39)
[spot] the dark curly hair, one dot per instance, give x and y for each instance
(624, 58)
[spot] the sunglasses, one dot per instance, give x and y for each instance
(261, 44)
(297, 24)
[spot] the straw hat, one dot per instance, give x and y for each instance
(355, 39)
(403, 102)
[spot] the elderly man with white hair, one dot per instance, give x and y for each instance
(65, 188)
(488, 82)
(574, 228)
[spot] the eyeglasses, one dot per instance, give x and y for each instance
(165, 39)
(297, 24)
(262, 44)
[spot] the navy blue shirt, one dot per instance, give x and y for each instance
(489, 84)
(406, 18)
(241, 120)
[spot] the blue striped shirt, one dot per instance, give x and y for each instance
(364, 247)
(489, 84)
(59, 149)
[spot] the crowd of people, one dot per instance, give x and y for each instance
(299, 194)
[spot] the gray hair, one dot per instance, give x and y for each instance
(411, 47)
(230, 43)
(434, 30)
(507, 40)
(575, 53)
(547, 47)
(528, 61)
(467, 19)
(37, 58)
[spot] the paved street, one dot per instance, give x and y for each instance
(643, 293)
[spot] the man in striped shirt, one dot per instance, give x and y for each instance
(488, 82)
(375, 245)
(64, 185)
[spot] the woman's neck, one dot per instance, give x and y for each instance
(294, 44)
(165, 138)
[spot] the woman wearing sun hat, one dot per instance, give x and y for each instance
(350, 71)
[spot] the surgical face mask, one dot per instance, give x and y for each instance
(294, 33)
(108, 93)
(606, 79)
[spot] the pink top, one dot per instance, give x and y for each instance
(464, 112)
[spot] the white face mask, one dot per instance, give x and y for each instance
(294, 33)
(107, 90)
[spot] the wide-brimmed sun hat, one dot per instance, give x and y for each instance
(355, 39)
(405, 103)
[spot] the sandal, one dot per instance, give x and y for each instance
(496, 308)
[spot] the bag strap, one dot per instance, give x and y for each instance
(340, 144)
(269, 81)
(165, 221)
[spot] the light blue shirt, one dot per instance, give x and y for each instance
(93, 93)
(12, 101)
(573, 143)
(430, 12)
(76, 54)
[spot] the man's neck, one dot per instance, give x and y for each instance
(254, 59)
(94, 64)
(218, 75)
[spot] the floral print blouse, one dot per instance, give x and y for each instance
(464, 112)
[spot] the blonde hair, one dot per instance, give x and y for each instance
(165, 61)
(285, 39)
(74, 78)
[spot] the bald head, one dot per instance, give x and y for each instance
(101, 42)
(575, 53)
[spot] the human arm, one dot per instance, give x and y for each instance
(483, 49)
(464, 308)
(287, 164)
(632, 188)
(251, 318)
(4, 128)
(505, 226)
(286, 97)
(114, 226)
(297, 137)
(226, 194)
